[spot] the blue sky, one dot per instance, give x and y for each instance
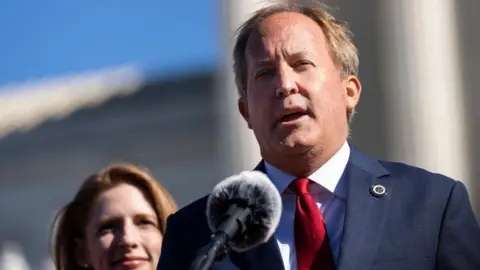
(59, 37)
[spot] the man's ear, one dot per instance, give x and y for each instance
(353, 88)
(80, 253)
(243, 109)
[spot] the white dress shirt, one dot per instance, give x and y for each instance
(330, 195)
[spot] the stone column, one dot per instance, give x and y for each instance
(423, 86)
(238, 147)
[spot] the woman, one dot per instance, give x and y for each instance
(116, 221)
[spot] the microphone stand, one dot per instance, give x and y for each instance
(232, 226)
(208, 253)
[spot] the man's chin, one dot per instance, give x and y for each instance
(291, 145)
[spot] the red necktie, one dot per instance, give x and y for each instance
(311, 240)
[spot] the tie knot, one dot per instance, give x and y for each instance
(300, 186)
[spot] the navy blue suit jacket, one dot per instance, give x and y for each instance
(425, 221)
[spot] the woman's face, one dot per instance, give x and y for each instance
(122, 232)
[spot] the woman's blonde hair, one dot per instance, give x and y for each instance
(69, 224)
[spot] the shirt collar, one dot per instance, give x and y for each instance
(328, 176)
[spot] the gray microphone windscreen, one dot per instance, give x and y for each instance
(251, 189)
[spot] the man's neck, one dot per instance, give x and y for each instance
(304, 164)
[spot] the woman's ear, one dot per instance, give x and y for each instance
(80, 253)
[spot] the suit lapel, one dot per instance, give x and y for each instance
(262, 257)
(365, 213)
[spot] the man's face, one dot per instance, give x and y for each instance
(296, 97)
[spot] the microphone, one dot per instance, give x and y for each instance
(242, 212)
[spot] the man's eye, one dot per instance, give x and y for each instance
(263, 72)
(303, 63)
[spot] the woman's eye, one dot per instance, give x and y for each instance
(146, 222)
(106, 228)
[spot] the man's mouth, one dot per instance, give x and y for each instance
(291, 114)
(291, 117)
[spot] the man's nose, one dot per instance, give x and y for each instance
(286, 83)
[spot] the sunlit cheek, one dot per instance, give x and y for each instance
(104, 244)
(105, 241)
(152, 241)
(98, 251)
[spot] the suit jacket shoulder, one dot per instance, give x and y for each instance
(192, 210)
(412, 173)
(187, 231)
(423, 221)
(429, 216)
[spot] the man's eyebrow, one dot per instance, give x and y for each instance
(300, 54)
(267, 61)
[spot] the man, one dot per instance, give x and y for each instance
(296, 72)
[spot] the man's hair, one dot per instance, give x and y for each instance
(338, 36)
